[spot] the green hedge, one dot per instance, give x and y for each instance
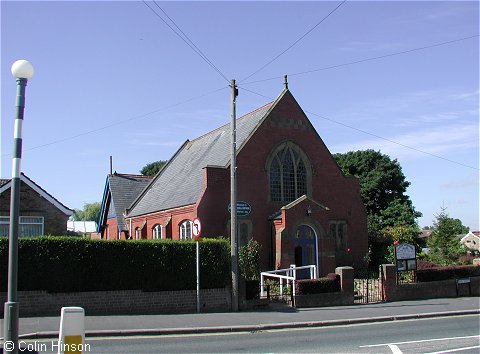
(329, 284)
(444, 273)
(65, 264)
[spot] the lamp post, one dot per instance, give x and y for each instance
(233, 197)
(22, 70)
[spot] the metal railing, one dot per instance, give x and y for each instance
(285, 275)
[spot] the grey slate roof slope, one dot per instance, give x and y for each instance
(124, 190)
(179, 183)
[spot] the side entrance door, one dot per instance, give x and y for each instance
(305, 245)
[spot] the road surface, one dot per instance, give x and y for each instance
(459, 334)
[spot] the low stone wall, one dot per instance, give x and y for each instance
(325, 299)
(344, 297)
(425, 290)
(42, 303)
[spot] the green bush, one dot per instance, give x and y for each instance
(65, 264)
(444, 273)
(329, 284)
(249, 260)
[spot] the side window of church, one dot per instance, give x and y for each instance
(185, 230)
(243, 234)
(287, 174)
(338, 230)
(157, 232)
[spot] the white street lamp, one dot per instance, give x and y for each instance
(22, 70)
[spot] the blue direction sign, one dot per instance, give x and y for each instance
(243, 208)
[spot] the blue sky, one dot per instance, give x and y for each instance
(112, 79)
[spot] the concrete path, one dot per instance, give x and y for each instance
(276, 316)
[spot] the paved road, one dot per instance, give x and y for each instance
(248, 320)
(260, 323)
(441, 334)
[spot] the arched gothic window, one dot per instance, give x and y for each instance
(157, 232)
(185, 230)
(288, 175)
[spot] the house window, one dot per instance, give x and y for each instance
(157, 232)
(338, 230)
(137, 233)
(185, 230)
(29, 226)
(288, 173)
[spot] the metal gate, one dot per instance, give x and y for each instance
(367, 286)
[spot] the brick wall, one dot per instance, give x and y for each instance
(32, 204)
(42, 303)
(425, 290)
(344, 297)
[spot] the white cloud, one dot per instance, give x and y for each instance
(422, 110)
(441, 139)
(462, 183)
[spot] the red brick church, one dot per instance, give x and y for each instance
(294, 199)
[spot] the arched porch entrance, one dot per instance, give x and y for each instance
(306, 249)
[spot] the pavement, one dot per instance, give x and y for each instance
(276, 316)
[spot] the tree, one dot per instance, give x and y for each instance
(152, 168)
(383, 189)
(443, 246)
(90, 212)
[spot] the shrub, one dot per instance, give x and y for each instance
(444, 273)
(329, 284)
(333, 276)
(421, 264)
(249, 260)
(65, 264)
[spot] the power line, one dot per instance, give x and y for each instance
(366, 59)
(294, 43)
(191, 42)
(372, 134)
(141, 116)
(185, 38)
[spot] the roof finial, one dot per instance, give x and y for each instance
(285, 82)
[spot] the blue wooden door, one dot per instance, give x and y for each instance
(305, 246)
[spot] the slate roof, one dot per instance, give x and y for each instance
(179, 183)
(124, 189)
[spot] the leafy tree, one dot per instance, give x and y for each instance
(90, 212)
(444, 246)
(383, 189)
(152, 168)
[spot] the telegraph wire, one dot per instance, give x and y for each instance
(141, 116)
(294, 43)
(189, 40)
(185, 38)
(366, 59)
(371, 134)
